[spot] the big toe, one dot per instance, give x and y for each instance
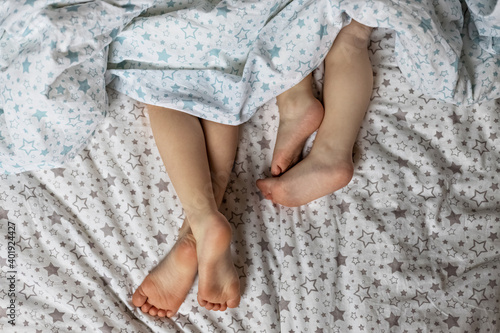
(283, 160)
(276, 169)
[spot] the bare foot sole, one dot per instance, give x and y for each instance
(165, 288)
(300, 115)
(218, 285)
(319, 174)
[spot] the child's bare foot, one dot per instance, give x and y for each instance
(322, 172)
(300, 115)
(165, 288)
(218, 286)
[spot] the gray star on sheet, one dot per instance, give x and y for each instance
(264, 246)
(344, 207)
(162, 185)
(400, 115)
(284, 304)
(55, 218)
(52, 270)
(107, 230)
(264, 298)
(264, 144)
(106, 328)
(399, 213)
(111, 130)
(452, 321)
(57, 316)
(287, 250)
(314, 232)
(456, 118)
(340, 259)
(105, 280)
(401, 162)
(395, 266)
(58, 172)
(160, 237)
(455, 168)
(451, 270)
(454, 218)
(393, 320)
(337, 314)
(110, 180)
(4, 214)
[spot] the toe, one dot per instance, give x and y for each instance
(276, 170)
(162, 313)
(170, 313)
(153, 311)
(145, 307)
(223, 307)
(139, 298)
(216, 307)
(209, 306)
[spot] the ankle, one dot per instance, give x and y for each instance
(214, 226)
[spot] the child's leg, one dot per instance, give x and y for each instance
(219, 282)
(300, 115)
(347, 91)
(181, 141)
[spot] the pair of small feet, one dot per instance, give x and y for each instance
(207, 254)
(322, 172)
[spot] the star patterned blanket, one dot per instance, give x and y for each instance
(410, 245)
(218, 60)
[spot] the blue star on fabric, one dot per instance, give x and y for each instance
(72, 56)
(425, 24)
(40, 114)
(60, 89)
(188, 104)
(73, 8)
(84, 85)
(189, 31)
(242, 35)
(303, 69)
(222, 11)
(28, 146)
(274, 52)
(163, 55)
(214, 52)
(322, 31)
(66, 149)
(140, 93)
(120, 40)
(217, 88)
(26, 66)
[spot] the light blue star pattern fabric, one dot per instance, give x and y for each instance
(53, 58)
(219, 60)
(484, 27)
